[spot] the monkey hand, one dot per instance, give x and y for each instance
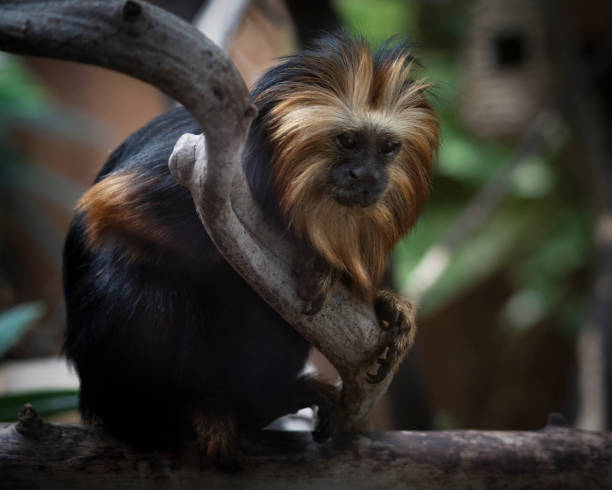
(396, 316)
(315, 281)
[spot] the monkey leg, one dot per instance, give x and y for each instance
(316, 280)
(395, 315)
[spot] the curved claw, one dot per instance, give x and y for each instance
(386, 365)
(383, 370)
(314, 306)
(379, 376)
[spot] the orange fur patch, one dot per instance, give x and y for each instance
(343, 93)
(113, 211)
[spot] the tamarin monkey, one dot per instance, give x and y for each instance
(168, 340)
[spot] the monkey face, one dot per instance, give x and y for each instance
(358, 175)
(352, 140)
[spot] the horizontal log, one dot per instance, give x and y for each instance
(35, 454)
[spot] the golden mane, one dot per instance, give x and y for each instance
(351, 90)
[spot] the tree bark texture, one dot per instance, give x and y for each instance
(143, 41)
(36, 454)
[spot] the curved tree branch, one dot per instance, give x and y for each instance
(145, 42)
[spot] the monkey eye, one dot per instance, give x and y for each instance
(389, 147)
(346, 141)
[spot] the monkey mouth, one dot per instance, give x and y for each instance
(355, 198)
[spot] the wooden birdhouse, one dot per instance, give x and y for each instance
(505, 70)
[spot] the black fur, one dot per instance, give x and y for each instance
(156, 339)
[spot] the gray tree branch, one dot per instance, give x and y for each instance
(35, 453)
(145, 42)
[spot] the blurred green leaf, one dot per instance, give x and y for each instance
(18, 89)
(466, 159)
(533, 178)
(427, 231)
(545, 240)
(478, 258)
(379, 20)
(564, 245)
(461, 157)
(524, 309)
(45, 402)
(15, 321)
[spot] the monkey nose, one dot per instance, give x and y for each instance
(354, 173)
(362, 175)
